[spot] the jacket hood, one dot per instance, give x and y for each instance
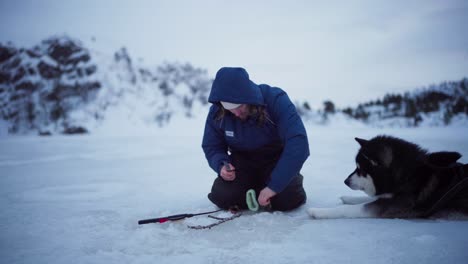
(233, 85)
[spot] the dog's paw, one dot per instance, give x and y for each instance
(317, 213)
(356, 199)
(346, 199)
(342, 211)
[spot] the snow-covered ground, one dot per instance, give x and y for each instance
(78, 199)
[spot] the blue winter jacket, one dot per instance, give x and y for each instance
(233, 85)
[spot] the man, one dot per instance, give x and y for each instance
(254, 139)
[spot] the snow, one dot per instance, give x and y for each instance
(77, 199)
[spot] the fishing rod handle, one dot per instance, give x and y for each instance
(164, 219)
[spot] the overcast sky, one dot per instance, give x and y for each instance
(346, 51)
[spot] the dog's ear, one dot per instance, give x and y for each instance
(386, 156)
(443, 158)
(362, 142)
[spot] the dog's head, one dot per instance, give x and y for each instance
(384, 164)
(372, 173)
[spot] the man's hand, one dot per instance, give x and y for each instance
(228, 174)
(265, 195)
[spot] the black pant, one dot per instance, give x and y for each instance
(253, 169)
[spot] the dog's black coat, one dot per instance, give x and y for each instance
(415, 178)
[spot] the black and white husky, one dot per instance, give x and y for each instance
(401, 181)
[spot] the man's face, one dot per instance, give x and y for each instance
(241, 112)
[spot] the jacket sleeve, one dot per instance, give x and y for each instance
(296, 146)
(214, 144)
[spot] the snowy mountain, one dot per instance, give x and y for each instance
(60, 86)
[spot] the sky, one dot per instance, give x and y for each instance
(344, 51)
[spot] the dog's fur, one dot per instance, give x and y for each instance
(402, 181)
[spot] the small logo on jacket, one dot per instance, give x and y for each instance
(230, 133)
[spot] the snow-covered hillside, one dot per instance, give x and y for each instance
(437, 105)
(61, 86)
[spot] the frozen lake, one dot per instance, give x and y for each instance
(78, 200)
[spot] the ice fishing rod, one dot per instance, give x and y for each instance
(173, 217)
